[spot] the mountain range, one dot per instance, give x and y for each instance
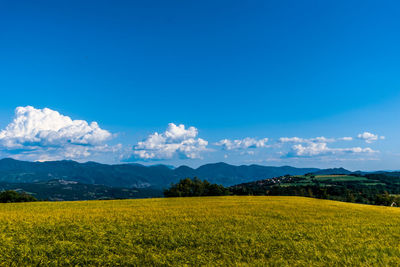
(137, 175)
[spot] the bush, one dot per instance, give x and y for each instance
(10, 196)
(195, 188)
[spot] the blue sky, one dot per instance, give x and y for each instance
(230, 69)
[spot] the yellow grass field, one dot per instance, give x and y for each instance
(199, 231)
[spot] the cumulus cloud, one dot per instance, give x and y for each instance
(46, 127)
(369, 137)
(242, 144)
(175, 141)
(320, 149)
(47, 133)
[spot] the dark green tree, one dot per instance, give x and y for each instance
(10, 196)
(195, 188)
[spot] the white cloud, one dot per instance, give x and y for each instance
(46, 127)
(320, 139)
(242, 144)
(369, 137)
(45, 133)
(319, 149)
(292, 140)
(346, 138)
(176, 140)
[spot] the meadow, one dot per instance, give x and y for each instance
(322, 180)
(333, 178)
(291, 231)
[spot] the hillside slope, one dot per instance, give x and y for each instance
(63, 190)
(228, 231)
(374, 188)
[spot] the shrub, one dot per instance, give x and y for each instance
(195, 187)
(10, 196)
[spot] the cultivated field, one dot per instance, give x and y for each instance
(199, 231)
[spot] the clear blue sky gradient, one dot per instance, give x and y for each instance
(230, 68)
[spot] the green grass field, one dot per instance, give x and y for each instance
(199, 231)
(309, 181)
(333, 178)
(340, 178)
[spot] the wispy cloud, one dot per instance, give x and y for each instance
(320, 139)
(240, 144)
